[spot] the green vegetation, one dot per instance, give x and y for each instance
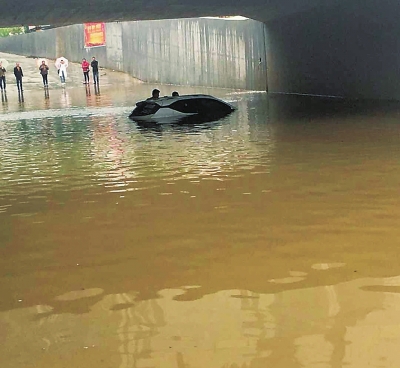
(4, 32)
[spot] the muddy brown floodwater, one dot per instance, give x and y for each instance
(266, 239)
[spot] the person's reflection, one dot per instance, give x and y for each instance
(21, 97)
(46, 98)
(65, 99)
(46, 93)
(97, 89)
(87, 87)
(4, 100)
(89, 101)
(3, 96)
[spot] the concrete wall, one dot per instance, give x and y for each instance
(351, 49)
(196, 52)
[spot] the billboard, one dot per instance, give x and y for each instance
(95, 34)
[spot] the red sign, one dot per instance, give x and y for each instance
(95, 34)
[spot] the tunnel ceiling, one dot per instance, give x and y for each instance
(66, 12)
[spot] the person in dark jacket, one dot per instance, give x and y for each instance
(18, 76)
(155, 95)
(95, 69)
(44, 70)
(2, 78)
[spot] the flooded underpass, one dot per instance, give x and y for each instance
(267, 238)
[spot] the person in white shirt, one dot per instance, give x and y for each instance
(62, 72)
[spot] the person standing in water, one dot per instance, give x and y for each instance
(85, 68)
(95, 69)
(44, 71)
(62, 72)
(18, 76)
(2, 77)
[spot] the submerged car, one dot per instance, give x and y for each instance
(170, 109)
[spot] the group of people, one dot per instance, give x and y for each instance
(86, 69)
(62, 71)
(44, 71)
(155, 94)
(18, 77)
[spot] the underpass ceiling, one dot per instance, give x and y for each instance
(66, 12)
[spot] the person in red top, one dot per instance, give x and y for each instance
(85, 69)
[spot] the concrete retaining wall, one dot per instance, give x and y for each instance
(196, 52)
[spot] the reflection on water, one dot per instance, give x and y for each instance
(65, 100)
(4, 96)
(266, 238)
(230, 328)
(21, 99)
(46, 96)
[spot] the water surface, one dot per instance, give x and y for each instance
(268, 238)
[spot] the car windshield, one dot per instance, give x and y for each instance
(145, 108)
